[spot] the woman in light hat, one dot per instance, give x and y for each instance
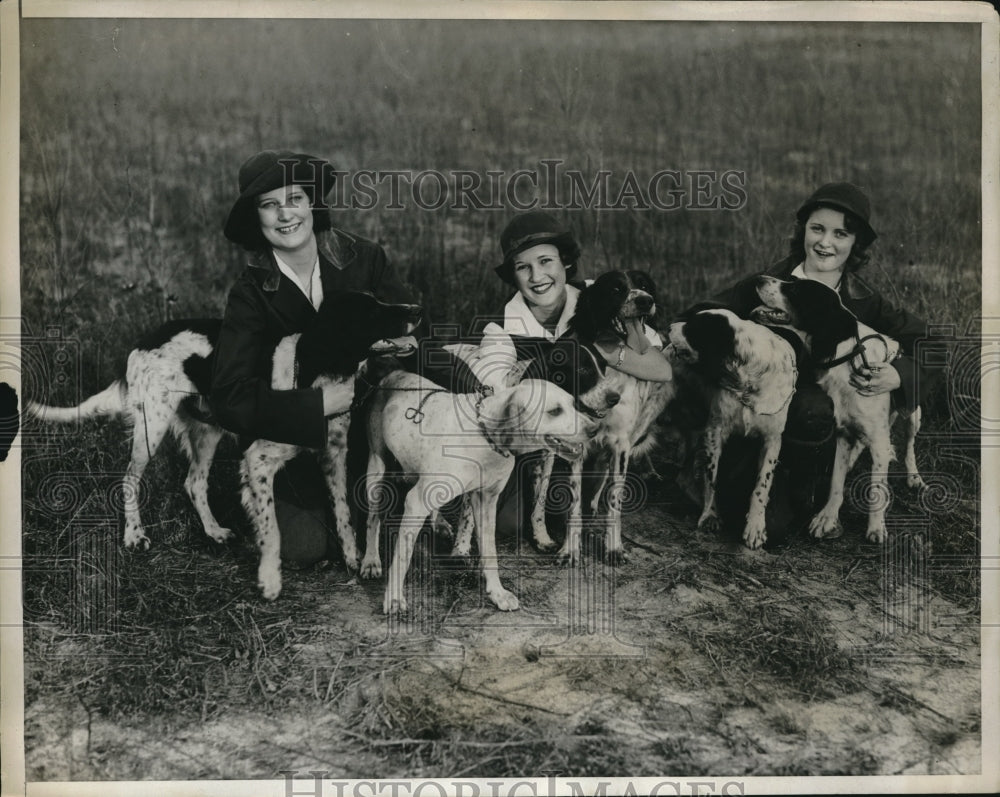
(294, 257)
(830, 243)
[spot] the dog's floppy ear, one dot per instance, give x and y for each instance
(584, 321)
(694, 309)
(511, 418)
(822, 315)
(712, 338)
(644, 282)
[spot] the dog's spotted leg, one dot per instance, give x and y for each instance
(913, 479)
(614, 551)
(542, 473)
(378, 502)
(595, 499)
(755, 531)
(466, 525)
(258, 470)
(570, 551)
(334, 462)
(826, 523)
(152, 420)
(202, 440)
(422, 498)
(709, 520)
(484, 509)
(879, 496)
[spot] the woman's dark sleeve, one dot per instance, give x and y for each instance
(741, 297)
(242, 400)
(916, 381)
(387, 284)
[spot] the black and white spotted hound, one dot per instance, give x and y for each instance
(165, 387)
(840, 346)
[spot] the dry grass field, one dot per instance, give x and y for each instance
(695, 657)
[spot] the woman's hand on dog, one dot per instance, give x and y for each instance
(875, 380)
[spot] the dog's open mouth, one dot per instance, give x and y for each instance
(592, 412)
(564, 448)
(397, 346)
(770, 315)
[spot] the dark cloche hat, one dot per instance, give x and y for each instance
(265, 172)
(531, 229)
(846, 197)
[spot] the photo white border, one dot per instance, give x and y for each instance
(11, 664)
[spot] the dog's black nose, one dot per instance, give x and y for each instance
(611, 398)
(644, 303)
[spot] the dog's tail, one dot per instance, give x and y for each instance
(110, 401)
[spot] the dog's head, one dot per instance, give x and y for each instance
(360, 324)
(536, 414)
(349, 327)
(613, 298)
(579, 369)
(808, 307)
(730, 353)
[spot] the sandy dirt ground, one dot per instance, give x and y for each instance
(694, 657)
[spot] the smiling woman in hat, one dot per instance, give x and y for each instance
(540, 258)
(294, 257)
(830, 243)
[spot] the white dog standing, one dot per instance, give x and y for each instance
(459, 444)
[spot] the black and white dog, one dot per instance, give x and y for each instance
(842, 346)
(748, 374)
(166, 384)
(615, 300)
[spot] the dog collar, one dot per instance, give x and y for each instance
(359, 400)
(858, 350)
(483, 393)
(416, 414)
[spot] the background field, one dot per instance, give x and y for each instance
(132, 132)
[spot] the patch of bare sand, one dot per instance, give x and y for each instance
(686, 660)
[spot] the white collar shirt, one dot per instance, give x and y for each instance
(315, 292)
(518, 319)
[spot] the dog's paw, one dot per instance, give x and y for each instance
(270, 585)
(219, 534)
(877, 534)
(825, 527)
(914, 482)
(569, 555)
(393, 606)
(136, 540)
(710, 525)
(754, 536)
(543, 541)
(505, 600)
(371, 568)
(351, 562)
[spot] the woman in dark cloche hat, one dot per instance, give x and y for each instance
(540, 258)
(830, 242)
(294, 257)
